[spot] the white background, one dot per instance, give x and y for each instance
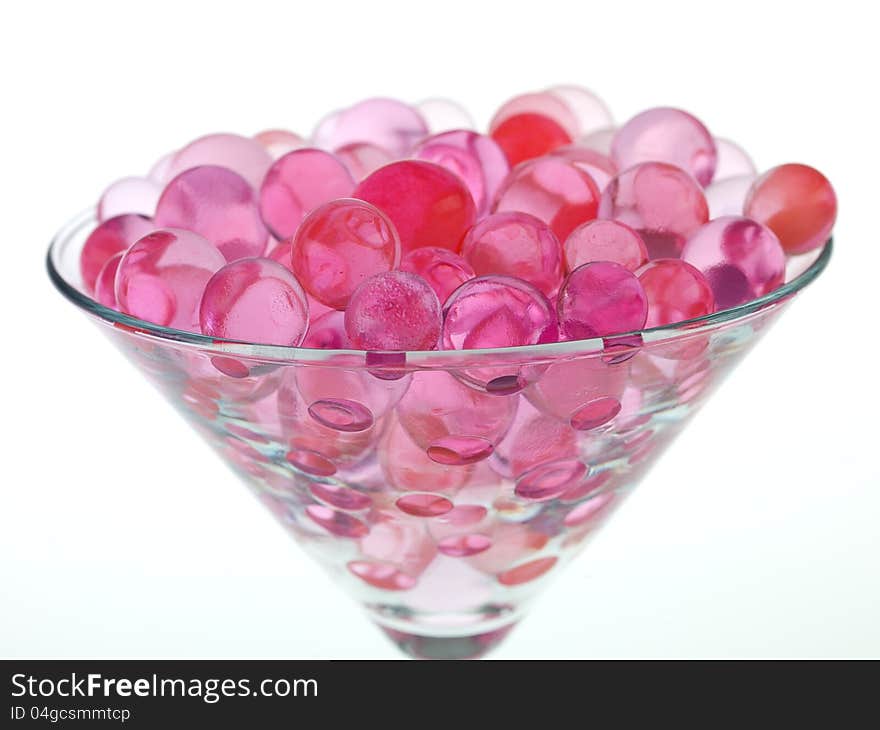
(758, 534)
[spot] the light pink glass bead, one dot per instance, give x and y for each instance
(728, 196)
(424, 505)
(218, 204)
(740, 258)
(162, 276)
(595, 164)
(137, 195)
(160, 172)
(733, 161)
(278, 142)
(255, 300)
(510, 543)
(339, 245)
(553, 189)
(243, 155)
(361, 158)
(336, 523)
(604, 240)
(676, 291)
(441, 115)
(515, 244)
(662, 203)
(428, 205)
(550, 480)
(534, 438)
(108, 238)
(327, 332)
(382, 576)
(463, 546)
(386, 123)
(403, 543)
(444, 270)
(394, 310)
(600, 140)
(105, 285)
(600, 299)
(589, 111)
(298, 183)
(666, 135)
(545, 103)
(475, 158)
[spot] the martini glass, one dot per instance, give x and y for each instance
(441, 490)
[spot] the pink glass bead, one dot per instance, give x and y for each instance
(160, 172)
(278, 142)
(589, 111)
(336, 523)
(339, 245)
(528, 135)
(599, 299)
(311, 462)
(797, 203)
(740, 258)
(255, 300)
(510, 543)
(497, 311)
(515, 244)
(527, 572)
(424, 505)
(386, 123)
(733, 161)
(600, 140)
(361, 158)
(327, 332)
(428, 205)
(382, 576)
(394, 310)
(604, 240)
(137, 195)
(340, 497)
(676, 291)
(161, 277)
(662, 203)
(240, 154)
(595, 164)
(553, 189)
(298, 183)
(110, 237)
(666, 135)
(218, 204)
(401, 542)
(550, 479)
(105, 292)
(444, 270)
(475, 158)
(463, 546)
(728, 196)
(441, 115)
(543, 103)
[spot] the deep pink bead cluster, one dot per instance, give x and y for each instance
(394, 228)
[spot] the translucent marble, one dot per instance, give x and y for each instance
(216, 203)
(604, 240)
(339, 245)
(243, 155)
(666, 135)
(528, 135)
(442, 115)
(589, 111)
(428, 205)
(298, 183)
(255, 300)
(361, 158)
(728, 196)
(137, 195)
(110, 237)
(386, 123)
(105, 284)
(598, 166)
(327, 332)
(544, 103)
(444, 270)
(676, 291)
(278, 142)
(733, 161)
(740, 258)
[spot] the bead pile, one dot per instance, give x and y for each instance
(398, 227)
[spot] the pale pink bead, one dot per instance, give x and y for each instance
(160, 172)
(534, 438)
(105, 285)
(386, 123)
(527, 572)
(661, 202)
(394, 310)
(110, 237)
(600, 140)
(740, 258)
(339, 245)
(218, 204)
(553, 189)
(515, 244)
(676, 291)
(424, 505)
(255, 300)
(666, 135)
(604, 240)
(733, 161)
(327, 332)
(550, 480)
(590, 112)
(510, 544)
(544, 103)
(137, 195)
(600, 299)
(298, 183)
(441, 115)
(335, 495)
(278, 142)
(728, 196)
(475, 158)
(240, 154)
(444, 270)
(595, 164)
(463, 546)
(340, 524)
(162, 276)
(400, 542)
(382, 576)
(361, 158)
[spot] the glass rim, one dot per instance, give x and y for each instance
(663, 333)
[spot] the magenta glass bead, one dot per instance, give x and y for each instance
(278, 142)
(161, 277)
(604, 240)
(394, 310)
(589, 111)
(386, 123)
(105, 285)
(728, 196)
(243, 155)
(497, 311)
(298, 183)
(740, 258)
(475, 158)
(108, 238)
(441, 115)
(361, 158)
(339, 245)
(444, 270)
(666, 135)
(676, 291)
(595, 164)
(544, 103)
(218, 204)
(599, 299)
(515, 244)
(428, 205)
(661, 202)
(733, 161)
(137, 195)
(553, 189)
(255, 300)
